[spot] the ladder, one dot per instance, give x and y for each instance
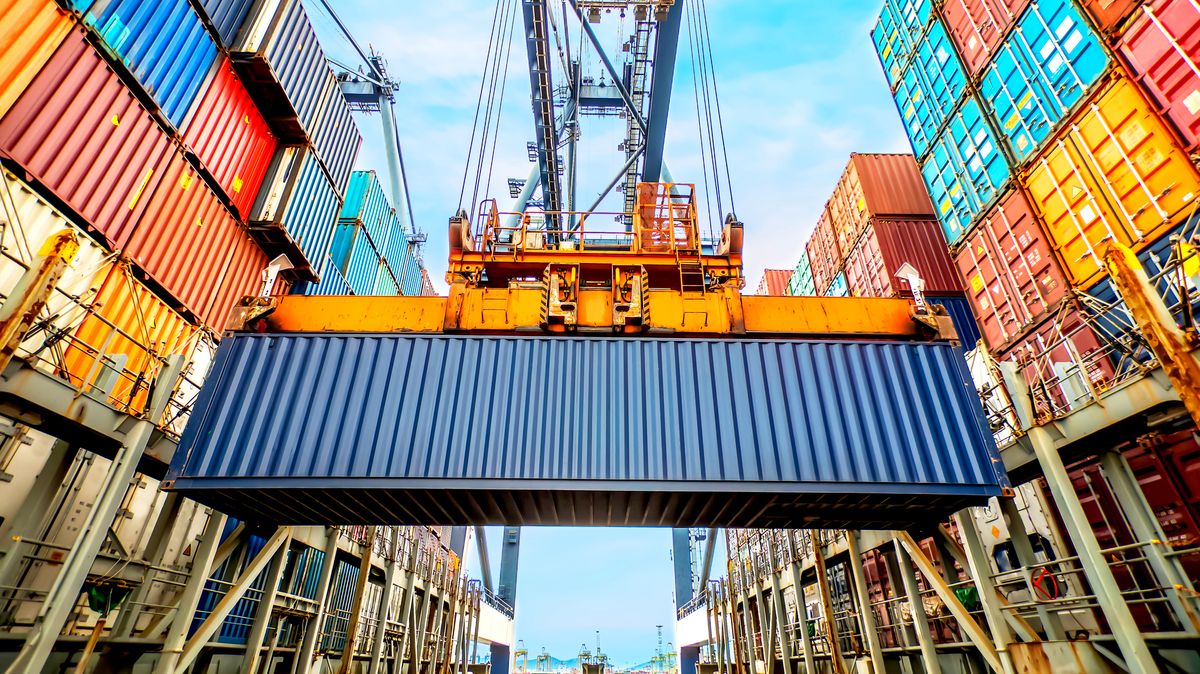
(637, 94)
(691, 270)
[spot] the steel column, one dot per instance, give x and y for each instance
(785, 642)
(189, 599)
(385, 602)
(31, 292)
(681, 559)
(666, 48)
(266, 607)
(30, 517)
(510, 552)
(77, 563)
(1015, 622)
(1051, 622)
(155, 550)
(485, 562)
(391, 146)
(1091, 557)
(835, 644)
(308, 645)
(920, 622)
(801, 609)
(863, 598)
(360, 589)
(981, 573)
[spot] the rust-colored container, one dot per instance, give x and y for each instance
(79, 131)
(887, 245)
(1012, 276)
(119, 346)
(823, 253)
(1064, 361)
(185, 238)
(231, 138)
(976, 26)
(1107, 14)
(1161, 48)
(876, 186)
(32, 30)
(774, 282)
(1115, 172)
(242, 276)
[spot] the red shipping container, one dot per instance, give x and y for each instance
(231, 138)
(1011, 273)
(823, 254)
(79, 131)
(185, 238)
(876, 186)
(1107, 14)
(887, 245)
(1064, 362)
(242, 277)
(976, 26)
(774, 282)
(1162, 51)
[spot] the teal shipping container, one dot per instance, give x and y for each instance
(801, 284)
(366, 203)
(838, 287)
(163, 43)
(965, 171)
(931, 86)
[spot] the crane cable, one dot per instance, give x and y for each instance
(494, 129)
(710, 121)
(487, 82)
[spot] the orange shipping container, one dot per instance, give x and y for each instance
(876, 186)
(32, 31)
(118, 349)
(1115, 173)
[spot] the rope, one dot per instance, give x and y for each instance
(507, 23)
(479, 104)
(717, 103)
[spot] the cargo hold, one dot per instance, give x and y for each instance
(437, 429)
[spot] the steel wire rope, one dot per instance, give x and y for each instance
(705, 115)
(479, 105)
(492, 76)
(717, 104)
(501, 76)
(699, 121)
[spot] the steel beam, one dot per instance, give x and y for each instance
(385, 602)
(30, 517)
(612, 71)
(666, 48)
(64, 593)
(541, 85)
(801, 609)
(156, 548)
(35, 287)
(510, 553)
(981, 573)
(863, 598)
(189, 599)
(710, 547)
(920, 626)
(1050, 620)
(785, 641)
(266, 607)
(485, 563)
(835, 644)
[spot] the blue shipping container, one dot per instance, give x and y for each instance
(331, 282)
(650, 431)
(362, 261)
(163, 43)
(367, 203)
(226, 17)
(311, 211)
(960, 312)
(335, 136)
(964, 171)
(386, 284)
(914, 15)
(892, 45)
(1041, 73)
(930, 88)
(838, 287)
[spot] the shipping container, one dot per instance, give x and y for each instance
(332, 282)
(961, 315)
(838, 286)
(914, 16)
(1115, 173)
(163, 43)
(226, 17)
(26, 222)
(401, 256)
(367, 203)
(355, 254)
(823, 254)
(283, 66)
(875, 186)
(1013, 278)
(79, 131)
(774, 282)
(254, 454)
(1108, 14)
(977, 26)
(297, 208)
(892, 44)
(930, 87)
(386, 283)
(888, 245)
(801, 282)
(118, 350)
(1162, 51)
(231, 138)
(1064, 362)
(335, 136)
(243, 277)
(965, 171)
(33, 30)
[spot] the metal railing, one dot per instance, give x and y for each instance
(492, 599)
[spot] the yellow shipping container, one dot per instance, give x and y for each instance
(32, 30)
(119, 347)
(1115, 173)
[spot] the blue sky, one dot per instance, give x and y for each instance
(800, 88)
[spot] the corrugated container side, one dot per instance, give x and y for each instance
(118, 347)
(83, 135)
(892, 45)
(277, 50)
(801, 283)
(231, 138)
(890, 244)
(965, 171)
(1013, 278)
(1162, 51)
(297, 197)
(1041, 73)
(914, 15)
(1108, 14)
(332, 282)
(416, 278)
(366, 203)
(353, 396)
(33, 220)
(823, 254)
(933, 81)
(226, 17)
(1115, 173)
(386, 285)
(774, 282)
(1062, 359)
(184, 238)
(889, 186)
(33, 30)
(361, 268)
(163, 43)
(242, 278)
(977, 26)
(335, 135)
(838, 286)
(961, 315)
(401, 257)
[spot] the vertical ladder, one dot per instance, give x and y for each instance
(637, 94)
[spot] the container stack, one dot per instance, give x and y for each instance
(878, 219)
(801, 281)
(1044, 130)
(775, 282)
(187, 145)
